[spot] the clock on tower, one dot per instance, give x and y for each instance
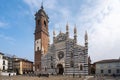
(41, 37)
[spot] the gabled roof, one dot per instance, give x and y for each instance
(108, 61)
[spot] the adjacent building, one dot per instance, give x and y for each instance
(108, 67)
(10, 64)
(13, 64)
(22, 66)
(3, 63)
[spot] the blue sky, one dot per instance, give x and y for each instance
(99, 17)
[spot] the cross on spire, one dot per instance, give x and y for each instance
(42, 5)
(67, 27)
(75, 30)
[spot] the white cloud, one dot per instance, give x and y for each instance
(104, 34)
(3, 25)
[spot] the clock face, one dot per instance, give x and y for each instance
(60, 55)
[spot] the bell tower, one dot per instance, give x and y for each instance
(41, 35)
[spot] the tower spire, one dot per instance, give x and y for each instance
(54, 33)
(86, 37)
(75, 30)
(86, 42)
(53, 36)
(67, 30)
(42, 5)
(67, 27)
(60, 29)
(75, 34)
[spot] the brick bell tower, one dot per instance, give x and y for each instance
(41, 37)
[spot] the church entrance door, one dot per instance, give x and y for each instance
(60, 69)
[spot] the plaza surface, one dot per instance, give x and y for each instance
(54, 78)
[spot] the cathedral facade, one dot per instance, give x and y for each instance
(64, 55)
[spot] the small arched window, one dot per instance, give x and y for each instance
(45, 69)
(37, 48)
(71, 64)
(81, 67)
(52, 65)
(51, 58)
(38, 66)
(38, 22)
(71, 54)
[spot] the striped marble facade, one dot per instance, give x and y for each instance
(65, 56)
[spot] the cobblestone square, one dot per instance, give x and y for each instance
(54, 78)
(39, 78)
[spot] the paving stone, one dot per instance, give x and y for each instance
(52, 78)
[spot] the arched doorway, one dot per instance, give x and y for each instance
(60, 69)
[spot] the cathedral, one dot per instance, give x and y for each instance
(64, 55)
